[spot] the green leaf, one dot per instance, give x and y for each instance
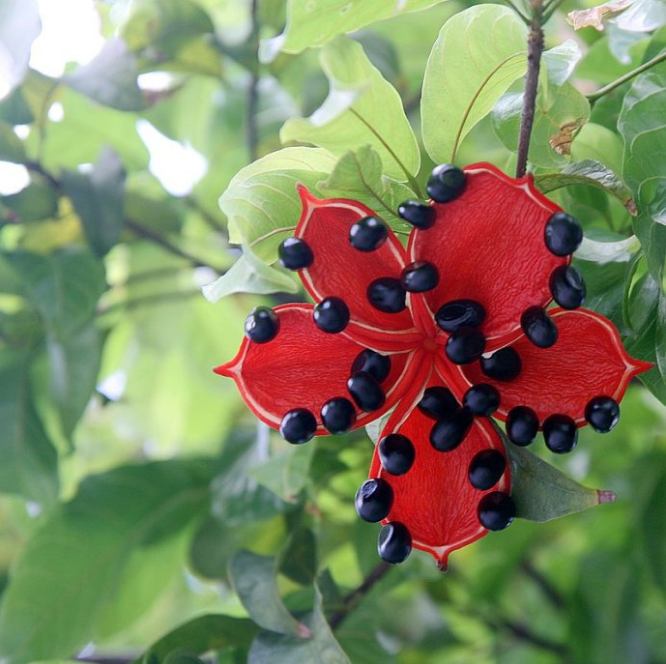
(255, 581)
(620, 251)
(28, 460)
(11, 147)
(285, 474)
(250, 275)
(74, 561)
(599, 143)
(110, 78)
(479, 53)
(542, 493)
(19, 27)
(98, 198)
(358, 175)
(589, 173)
(642, 16)
(298, 559)
(362, 108)
(201, 635)
(322, 648)
(314, 23)
(560, 62)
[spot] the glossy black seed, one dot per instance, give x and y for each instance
(298, 426)
(465, 345)
(504, 364)
(368, 234)
(262, 325)
(496, 510)
(563, 234)
(446, 183)
(373, 500)
(438, 402)
(394, 543)
(482, 399)
(486, 468)
(603, 413)
(419, 277)
(331, 315)
(387, 295)
(418, 214)
(396, 453)
(338, 415)
(522, 425)
(538, 327)
(449, 431)
(457, 314)
(567, 287)
(366, 391)
(560, 433)
(295, 254)
(378, 366)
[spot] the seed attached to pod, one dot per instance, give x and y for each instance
(522, 425)
(446, 183)
(504, 364)
(457, 314)
(338, 415)
(602, 413)
(378, 366)
(262, 325)
(418, 214)
(567, 287)
(563, 234)
(560, 433)
(394, 543)
(387, 295)
(373, 500)
(486, 468)
(366, 391)
(368, 234)
(298, 426)
(449, 431)
(331, 315)
(419, 277)
(538, 327)
(396, 453)
(482, 400)
(496, 510)
(465, 345)
(295, 254)
(438, 402)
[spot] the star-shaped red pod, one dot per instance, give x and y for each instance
(447, 332)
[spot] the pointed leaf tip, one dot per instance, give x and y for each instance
(606, 497)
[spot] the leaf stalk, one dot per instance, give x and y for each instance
(627, 77)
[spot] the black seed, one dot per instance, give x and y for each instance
(373, 500)
(378, 366)
(368, 234)
(486, 468)
(366, 391)
(449, 431)
(457, 314)
(603, 413)
(331, 315)
(504, 364)
(563, 234)
(420, 215)
(295, 254)
(419, 277)
(446, 183)
(560, 433)
(298, 426)
(338, 415)
(522, 425)
(394, 543)
(567, 287)
(438, 402)
(496, 510)
(465, 345)
(262, 325)
(387, 295)
(396, 453)
(482, 400)
(538, 327)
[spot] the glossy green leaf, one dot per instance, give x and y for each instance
(286, 473)
(362, 108)
(642, 16)
(457, 96)
(38, 200)
(298, 559)
(74, 561)
(599, 143)
(98, 198)
(560, 61)
(619, 251)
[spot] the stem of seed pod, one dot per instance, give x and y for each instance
(627, 77)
